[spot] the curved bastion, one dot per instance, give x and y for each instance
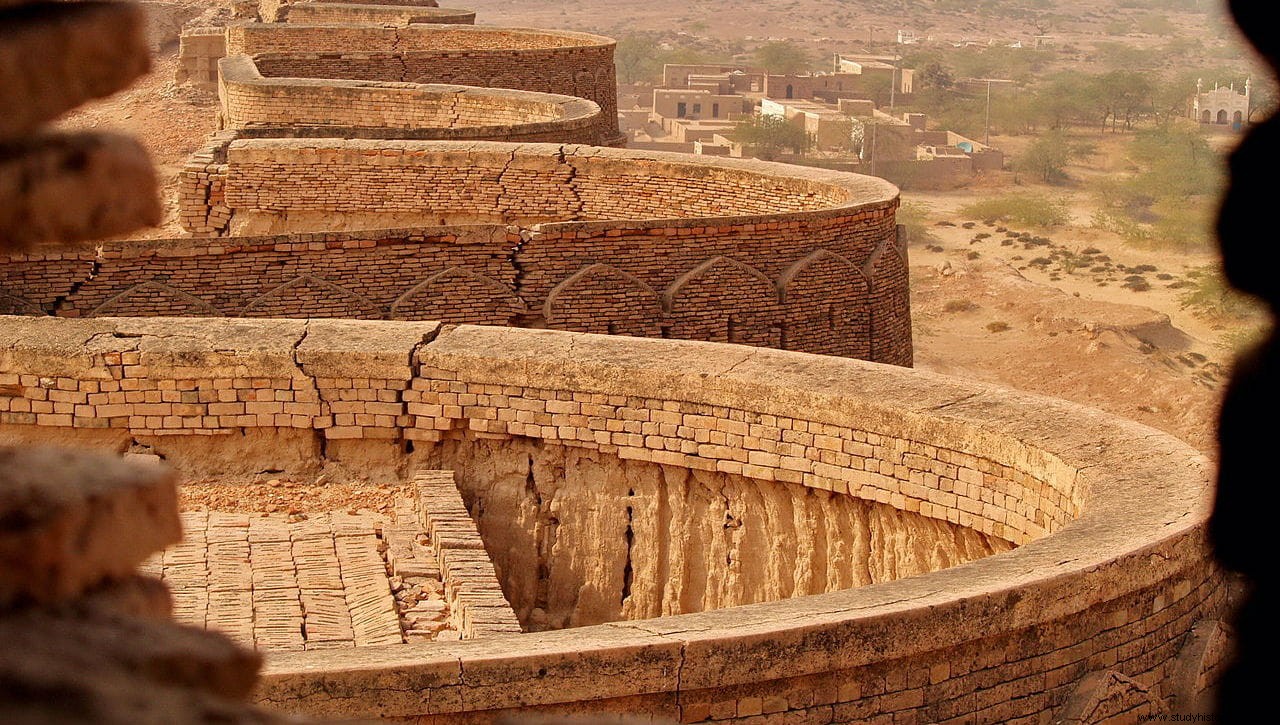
(330, 13)
(568, 237)
(279, 11)
(731, 532)
(200, 47)
(288, 80)
(543, 61)
(258, 107)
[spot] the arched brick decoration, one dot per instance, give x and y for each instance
(825, 306)
(458, 295)
(703, 449)
(584, 84)
(890, 305)
(724, 300)
(154, 299)
(783, 243)
(1199, 666)
(320, 298)
(1109, 698)
(603, 299)
(14, 305)
(505, 80)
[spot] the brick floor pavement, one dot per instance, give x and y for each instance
(339, 579)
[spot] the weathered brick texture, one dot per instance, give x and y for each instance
(1111, 576)
(556, 236)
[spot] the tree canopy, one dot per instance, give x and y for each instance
(783, 58)
(766, 137)
(1047, 157)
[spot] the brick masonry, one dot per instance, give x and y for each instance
(1112, 574)
(544, 61)
(300, 106)
(808, 261)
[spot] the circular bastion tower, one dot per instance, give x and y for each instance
(482, 416)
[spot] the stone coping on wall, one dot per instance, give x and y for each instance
(1139, 498)
(383, 14)
(259, 38)
(805, 193)
(333, 107)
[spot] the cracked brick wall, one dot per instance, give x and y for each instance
(809, 261)
(585, 419)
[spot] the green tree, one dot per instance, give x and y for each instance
(783, 58)
(1122, 95)
(765, 137)
(937, 76)
(1067, 99)
(1047, 157)
(636, 59)
(639, 58)
(1171, 197)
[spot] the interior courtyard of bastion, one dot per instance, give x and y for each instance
(450, 408)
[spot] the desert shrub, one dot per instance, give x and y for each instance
(1028, 209)
(915, 217)
(1208, 295)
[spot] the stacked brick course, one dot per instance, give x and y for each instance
(285, 107)
(86, 637)
(325, 13)
(823, 272)
(1098, 612)
(280, 10)
(1112, 576)
(198, 52)
(542, 61)
(477, 606)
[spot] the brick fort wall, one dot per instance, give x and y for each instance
(829, 276)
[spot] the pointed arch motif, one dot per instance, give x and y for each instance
(458, 295)
(724, 300)
(802, 268)
(154, 298)
(692, 277)
(310, 296)
(584, 84)
(11, 304)
(890, 301)
(604, 299)
(505, 80)
(826, 306)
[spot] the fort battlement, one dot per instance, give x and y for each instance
(200, 48)
(281, 10)
(508, 519)
(891, 542)
(544, 61)
(328, 13)
(568, 237)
